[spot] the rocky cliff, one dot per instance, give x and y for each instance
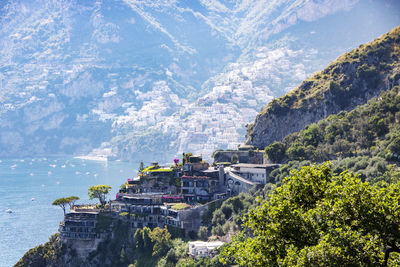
(351, 80)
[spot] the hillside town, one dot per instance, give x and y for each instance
(175, 196)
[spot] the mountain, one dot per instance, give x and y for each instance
(349, 81)
(140, 79)
(365, 140)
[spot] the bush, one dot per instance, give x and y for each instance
(275, 151)
(203, 233)
(218, 218)
(217, 230)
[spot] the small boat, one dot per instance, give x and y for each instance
(9, 211)
(33, 199)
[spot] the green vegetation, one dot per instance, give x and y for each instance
(228, 217)
(100, 192)
(49, 254)
(365, 140)
(104, 221)
(71, 200)
(317, 218)
(64, 201)
(61, 202)
(180, 206)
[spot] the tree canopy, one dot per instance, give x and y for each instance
(64, 201)
(100, 192)
(61, 202)
(317, 218)
(71, 200)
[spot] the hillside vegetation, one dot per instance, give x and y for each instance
(317, 218)
(351, 80)
(366, 139)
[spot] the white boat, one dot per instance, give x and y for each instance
(9, 211)
(32, 199)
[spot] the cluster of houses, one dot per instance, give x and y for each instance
(175, 196)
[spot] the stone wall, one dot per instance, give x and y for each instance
(253, 157)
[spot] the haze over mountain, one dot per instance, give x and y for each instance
(134, 79)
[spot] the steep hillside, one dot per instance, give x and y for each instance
(349, 81)
(365, 140)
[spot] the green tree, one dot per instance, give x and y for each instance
(100, 192)
(275, 151)
(203, 233)
(138, 238)
(317, 218)
(71, 200)
(161, 239)
(61, 202)
(147, 242)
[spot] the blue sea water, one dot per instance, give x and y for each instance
(29, 186)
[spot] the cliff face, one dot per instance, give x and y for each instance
(351, 80)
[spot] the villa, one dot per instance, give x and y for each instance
(203, 249)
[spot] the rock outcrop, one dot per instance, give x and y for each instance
(351, 80)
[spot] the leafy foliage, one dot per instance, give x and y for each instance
(100, 192)
(317, 218)
(48, 254)
(61, 202)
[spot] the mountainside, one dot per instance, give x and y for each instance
(141, 79)
(365, 140)
(349, 81)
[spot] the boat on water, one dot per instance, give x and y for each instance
(9, 211)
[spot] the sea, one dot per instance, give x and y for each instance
(28, 187)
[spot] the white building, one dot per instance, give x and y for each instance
(257, 173)
(203, 249)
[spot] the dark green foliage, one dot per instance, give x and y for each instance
(176, 232)
(341, 95)
(49, 254)
(207, 216)
(203, 233)
(369, 74)
(104, 221)
(218, 218)
(275, 151)
(116, 250)
(192, 235)
(230, 214)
